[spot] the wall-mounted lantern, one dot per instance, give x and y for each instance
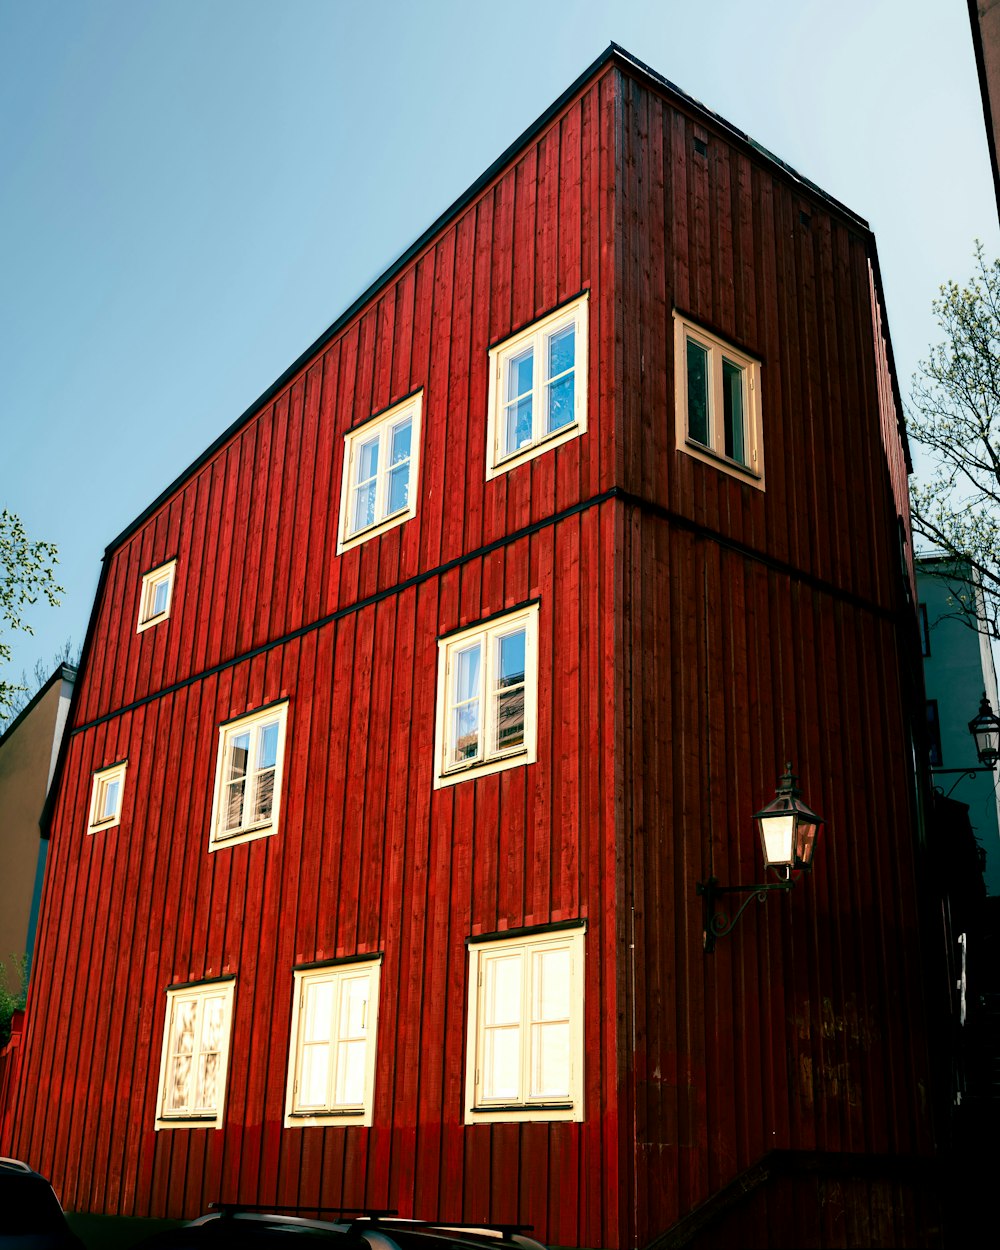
(788, 830)
(985, 729)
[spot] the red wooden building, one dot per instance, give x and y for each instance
(411, 714)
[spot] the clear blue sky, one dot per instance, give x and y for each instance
(192, 190)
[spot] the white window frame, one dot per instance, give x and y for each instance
(196, 1117)
(382, 427)
(714, 451)
(103, 779)
(491, 758)
(479, 1109)
(251, 723)
(332, 1112)
(151, 582)
(535, 337)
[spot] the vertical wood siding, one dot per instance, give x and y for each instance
(757, 627)
(368, 856)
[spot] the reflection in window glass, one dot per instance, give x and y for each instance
(697, 380)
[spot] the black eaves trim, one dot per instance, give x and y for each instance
(534, 930)
(613, 53)
(368, 957)
(194, 985)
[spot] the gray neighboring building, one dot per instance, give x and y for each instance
(958, 669)
(28, 752)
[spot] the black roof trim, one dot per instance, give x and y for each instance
(613, 53)
(984, 92)
(64, 672)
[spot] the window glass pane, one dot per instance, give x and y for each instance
(520, 371)
(180, 1078)
(467, 673)
(233, 814)
(314, 1078)
(550, 1060)
(110, 805)
(367, 460)
(517, 425)
(263, 801)
(363, 512)
(510, 658)
(732, 410)
(503, 989)
(214, 1014)
(160, 597)
(399, 488)
(502, 1063)
(465, 732)
(353, 1007)
(207, 1096)
(351, 1074)
(550, 985)
(560, 408)
(697, 392)
(239, 750)
(267, 746)
(318, 1011)
(562, 351)
(401, 442)
(184, 1017)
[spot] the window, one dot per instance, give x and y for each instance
(195, 1055)
(525, 1043)
(718, 402)
(538, 388)
(248, 777)
(331, 1076)
(925, 629)
(487, 693)
(381, 460)
(935, 756)
(155, 595)
(106, 798)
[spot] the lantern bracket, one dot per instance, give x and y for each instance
(717, 922)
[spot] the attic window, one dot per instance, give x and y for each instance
(155, 595)
(804, 218)
(701, 147)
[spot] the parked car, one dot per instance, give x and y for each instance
(30, 1215)
(233, 1227)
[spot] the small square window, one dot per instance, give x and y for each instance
(538, 388)
(331, 1077)
(248, 777)
(381, 463)
(717, 402)
(155, 595)
(106, 798)
(487, 695)
(195, 1056)
(525, 1051)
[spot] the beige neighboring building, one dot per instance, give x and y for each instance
(985, 18)
(28, 753)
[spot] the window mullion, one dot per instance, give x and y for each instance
(716, 408)
(334, 1044)
(527, 971)
(487, 733)
(538, 388)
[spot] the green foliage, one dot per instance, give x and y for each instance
(955, 417)
(26, 572)
(10, 1000)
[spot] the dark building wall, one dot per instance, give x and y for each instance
(760, 626)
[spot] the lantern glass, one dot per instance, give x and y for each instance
(777, 833)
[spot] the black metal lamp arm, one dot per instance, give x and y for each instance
(718, 923)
